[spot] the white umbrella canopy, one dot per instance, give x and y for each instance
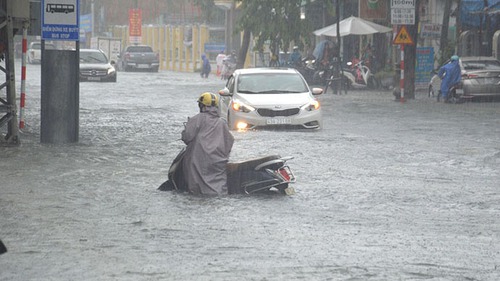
(352, 26)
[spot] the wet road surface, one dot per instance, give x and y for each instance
(385, 191)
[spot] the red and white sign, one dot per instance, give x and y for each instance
(135, 25)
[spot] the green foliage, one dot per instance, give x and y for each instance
(207, 8)
(276, 22)
(446, 53)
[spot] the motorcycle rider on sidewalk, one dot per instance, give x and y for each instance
(450, 73)
(209, 143)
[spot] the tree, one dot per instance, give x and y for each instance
(207, 7)
(277, 22)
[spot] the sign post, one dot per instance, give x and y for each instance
(60, 20)
(402, 13)
(60, 90)
(403, 38)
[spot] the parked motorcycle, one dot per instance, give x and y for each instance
(306, 68)
(359, 75)
(246, 177)
(333, 78)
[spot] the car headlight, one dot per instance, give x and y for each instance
(239, 106)
(313, 105)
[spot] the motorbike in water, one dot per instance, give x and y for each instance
(455, 95)
(358, 75)
(252, 176)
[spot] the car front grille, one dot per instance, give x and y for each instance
(93, 72)
(265, 112)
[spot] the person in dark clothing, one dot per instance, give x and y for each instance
(206, 68)
(295, 57)
(209, 143)
(450, 73)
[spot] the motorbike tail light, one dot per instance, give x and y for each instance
(284, 173)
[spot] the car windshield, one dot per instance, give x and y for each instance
(481, 65)
(271, 83)
(93, 57)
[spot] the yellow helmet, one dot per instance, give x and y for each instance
(209, 99)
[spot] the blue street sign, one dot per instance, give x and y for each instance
(60, 20)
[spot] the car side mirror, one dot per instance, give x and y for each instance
(225, 92)
(317, 91)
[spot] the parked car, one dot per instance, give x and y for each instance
(139, 57)
(480, 78)
(269, 98)
(35, 51)
(95, 66)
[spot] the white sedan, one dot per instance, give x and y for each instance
(270, 98)
(35, 51)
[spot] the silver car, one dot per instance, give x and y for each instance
(95, 66)
(480, 78)
(270, 98)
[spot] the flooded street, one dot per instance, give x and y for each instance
(385, 191)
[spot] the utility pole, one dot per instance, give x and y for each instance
(410, 56)
(443, 42)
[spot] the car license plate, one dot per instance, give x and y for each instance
(459, 91)
(143, 66)
(94, 78)
(278, 121)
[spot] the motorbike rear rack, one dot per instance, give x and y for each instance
(281, 175)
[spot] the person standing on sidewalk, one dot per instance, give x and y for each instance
(206, 68)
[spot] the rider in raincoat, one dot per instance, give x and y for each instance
(450, 73)
(209, 143)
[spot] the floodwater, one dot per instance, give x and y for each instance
(385, 191)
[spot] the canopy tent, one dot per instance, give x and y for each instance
(352, 26)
